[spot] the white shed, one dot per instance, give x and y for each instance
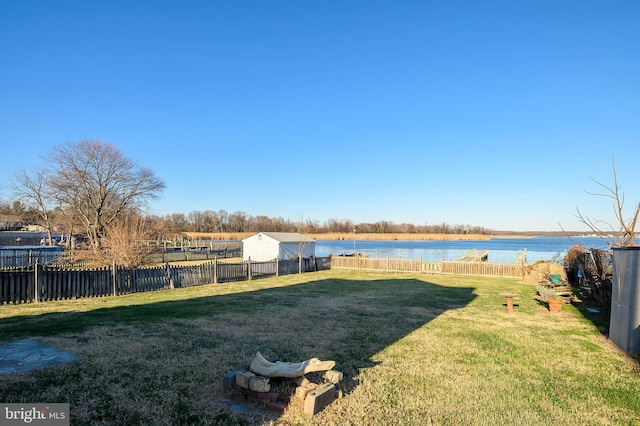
(265, 246)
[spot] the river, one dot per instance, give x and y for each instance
(505, 250)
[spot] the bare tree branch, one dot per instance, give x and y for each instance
(624, 232)
(32, 189)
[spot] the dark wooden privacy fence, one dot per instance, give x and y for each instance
(514, 270)
(203, 253)
(40, 283)
(44, 257)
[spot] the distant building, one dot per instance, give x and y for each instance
(265, 246)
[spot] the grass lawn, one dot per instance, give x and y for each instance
(414, 349)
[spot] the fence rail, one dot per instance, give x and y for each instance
(510, 270)
(41, 283)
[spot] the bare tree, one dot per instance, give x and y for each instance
(32, 189)
(99, 184)
(303, 227)
(238, 221)
(623, 231)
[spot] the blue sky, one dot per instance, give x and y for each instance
(491, 113)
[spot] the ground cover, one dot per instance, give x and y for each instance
(414, 349)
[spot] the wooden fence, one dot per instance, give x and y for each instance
(511, 270)
(32, 256)
(40, 283)
(199, 254)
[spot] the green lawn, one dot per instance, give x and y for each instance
(414, 349)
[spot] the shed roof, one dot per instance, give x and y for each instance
(288, 237)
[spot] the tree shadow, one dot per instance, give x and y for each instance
(345, 320)
(594, 312)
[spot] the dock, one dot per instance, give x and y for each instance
(474, 255)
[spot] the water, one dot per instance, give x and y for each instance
(500, 249)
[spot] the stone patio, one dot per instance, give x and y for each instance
(27, 355)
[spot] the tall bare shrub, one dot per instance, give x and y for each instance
(123, 242)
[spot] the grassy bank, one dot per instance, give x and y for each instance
(414, 349)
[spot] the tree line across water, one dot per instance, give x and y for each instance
(13, 215)
(210, 221)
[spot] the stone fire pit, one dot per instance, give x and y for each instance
(309, 386)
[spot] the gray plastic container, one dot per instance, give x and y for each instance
(624, 328)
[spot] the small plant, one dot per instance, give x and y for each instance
(547, 293)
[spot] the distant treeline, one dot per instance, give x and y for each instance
(222, 221)
(16, 215)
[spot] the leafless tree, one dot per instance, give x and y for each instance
(623, 231)
(32, 189)
(238, 221)
(303, 226)
(99, 184)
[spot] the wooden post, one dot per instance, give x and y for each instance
(215, 270)
(249, 268)
(114, 274)
(171, 286)
(36, 280)
(277, 267)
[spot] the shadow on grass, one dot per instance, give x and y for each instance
(594, 311)
(345, 320)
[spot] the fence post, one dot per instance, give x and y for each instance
(114, 276)
(277, 267)
(169, 278)
(215, 270)
(249, 267)
(36, 279)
